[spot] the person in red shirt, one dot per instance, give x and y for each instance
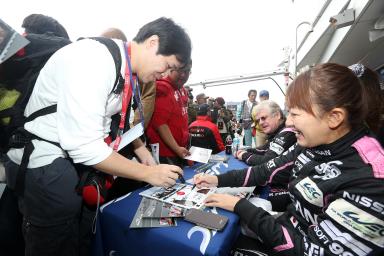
(169, 123)
(204, 133)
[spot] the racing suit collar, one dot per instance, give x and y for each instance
(339, 146)
(272, 135)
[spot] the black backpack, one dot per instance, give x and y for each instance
(19, 73)
(93, 185)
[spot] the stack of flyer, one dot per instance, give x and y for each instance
(161, 206)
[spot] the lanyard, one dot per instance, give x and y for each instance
(135, 86)
(138, 101)
(127, 94)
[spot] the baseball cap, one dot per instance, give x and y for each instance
(263, 93)
(201, 96)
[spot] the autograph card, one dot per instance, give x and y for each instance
(180, 195)
(140, 222)
(198, 154)
(160, 209)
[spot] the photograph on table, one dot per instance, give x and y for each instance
(140, 222)
(181, 195)
(158, 209)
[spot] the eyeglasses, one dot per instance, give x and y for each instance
(263, 118)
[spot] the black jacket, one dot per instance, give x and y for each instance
(337, 194)
(205, 134)
(277, 143)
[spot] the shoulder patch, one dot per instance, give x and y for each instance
(359, 222)
(372, 153)
(310, 192)
(275, 147)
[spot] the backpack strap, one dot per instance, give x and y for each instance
(41, 112)
(242, 109)
(23, 138)
(20, 178)
(8, 112)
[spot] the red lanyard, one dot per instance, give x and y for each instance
(127, 94)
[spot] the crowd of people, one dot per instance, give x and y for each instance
(333, 173)
(321, 164)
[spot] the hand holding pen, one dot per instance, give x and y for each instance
(181, 178)
(203, 180)
(201, 170)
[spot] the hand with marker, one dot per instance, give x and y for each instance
(205, 180)
(164, 175)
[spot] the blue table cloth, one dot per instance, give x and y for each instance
(114, 237)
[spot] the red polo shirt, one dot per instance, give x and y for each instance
(170, 109)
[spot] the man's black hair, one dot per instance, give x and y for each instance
(173, 40)
(251, 91)
(40, 24)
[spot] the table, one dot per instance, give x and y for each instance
(114, 237)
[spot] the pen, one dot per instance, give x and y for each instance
(202, 173)
(203, 169)
(181, 178)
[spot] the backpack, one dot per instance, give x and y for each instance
(18, 77)
(19, 73)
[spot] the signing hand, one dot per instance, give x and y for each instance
(202, 180)
(224, 201)
(163, 175)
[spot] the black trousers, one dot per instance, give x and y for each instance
(11, 237)
(54, 219)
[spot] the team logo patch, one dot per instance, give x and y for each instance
(359, 222)
(276, 148)
(328, 170)
(271, 164)
(365, 201)
(311, 249)
(338, 242)
(323, 152)
(310, 192)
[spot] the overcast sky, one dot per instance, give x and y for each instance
(230, 38)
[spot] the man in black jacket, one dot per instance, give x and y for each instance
(204, 133)
(279, 138)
